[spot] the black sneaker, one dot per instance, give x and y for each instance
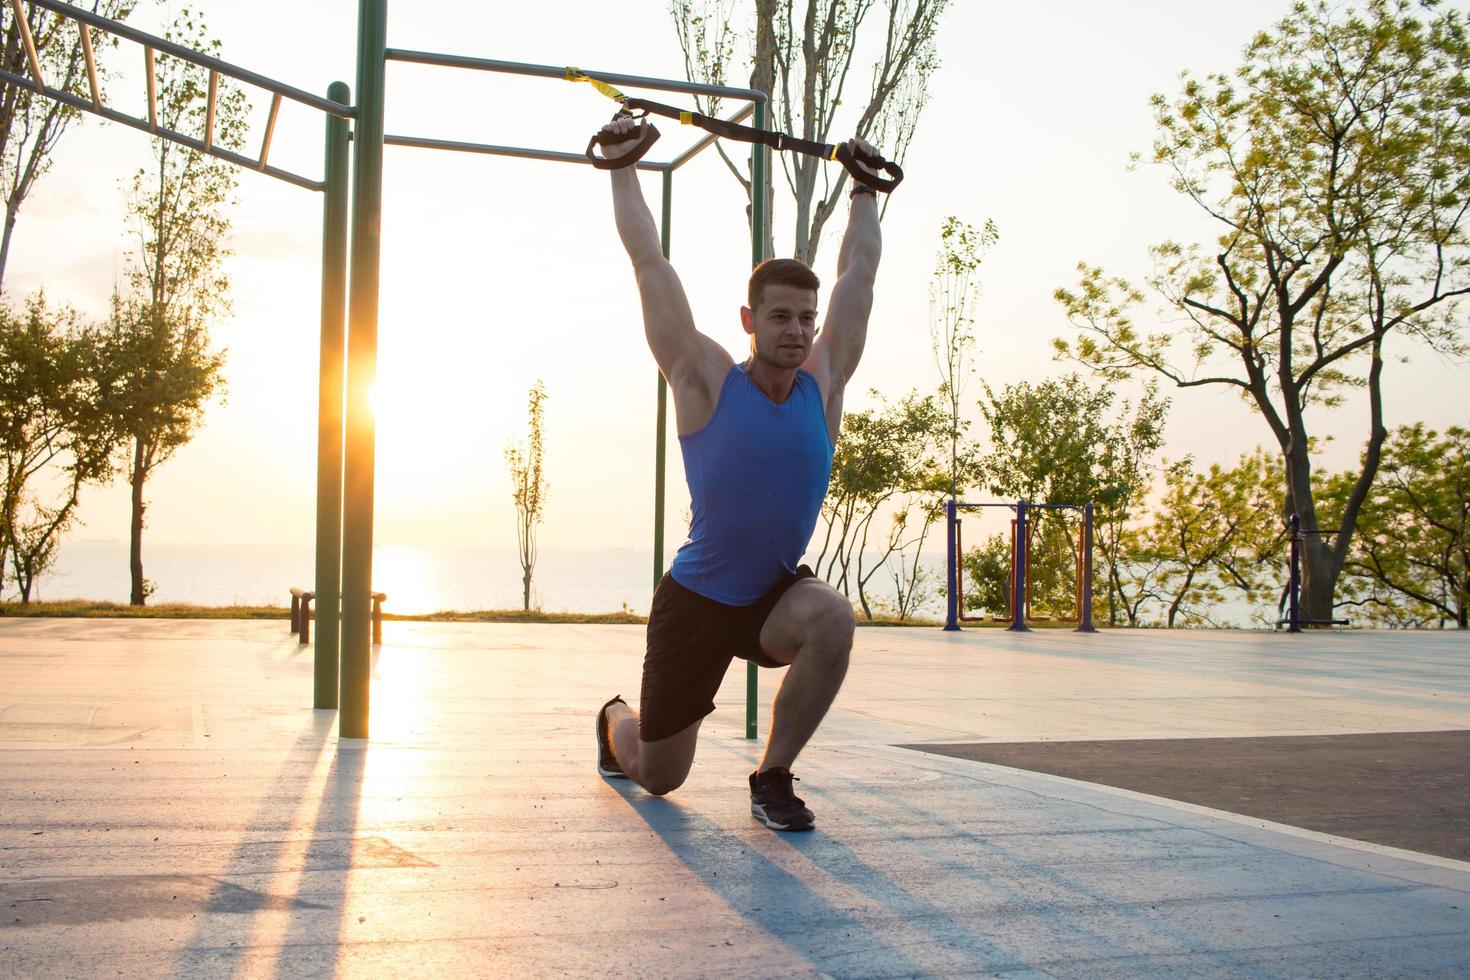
(607, 762)
(775, 804)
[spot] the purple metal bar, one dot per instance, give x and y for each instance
(952, 570)
(1084, 624)
(1018, 563)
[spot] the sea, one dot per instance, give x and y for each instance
(417, 580)
(422, 580)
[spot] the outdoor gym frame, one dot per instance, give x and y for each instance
(1020, 564)
(350, 278)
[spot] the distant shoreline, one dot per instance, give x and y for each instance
(87, 609)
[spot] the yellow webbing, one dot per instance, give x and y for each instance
(687, 118)
(576, 75)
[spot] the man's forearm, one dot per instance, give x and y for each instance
(862, 243)
(634, 220)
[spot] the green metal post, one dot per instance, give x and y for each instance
(329, 409)
(362, 366)
(758, 179)
(660, 446)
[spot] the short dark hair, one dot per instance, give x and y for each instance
(780, 272)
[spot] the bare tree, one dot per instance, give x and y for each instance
(31, 124)
(953, 292)
(801, 60)
(528, 487)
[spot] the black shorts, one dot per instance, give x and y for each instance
(691, 641)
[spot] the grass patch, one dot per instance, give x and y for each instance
(87, 609)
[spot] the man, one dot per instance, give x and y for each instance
(757, 440)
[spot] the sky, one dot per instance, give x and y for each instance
(497, 273)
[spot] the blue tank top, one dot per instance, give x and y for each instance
(757, 475)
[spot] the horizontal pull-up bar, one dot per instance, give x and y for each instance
(194, 57)
(143, 125)
(555, 156)
(551, 71)
(523, 152)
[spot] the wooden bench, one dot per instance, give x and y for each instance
(301, 615)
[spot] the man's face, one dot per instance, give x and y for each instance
(782, 328)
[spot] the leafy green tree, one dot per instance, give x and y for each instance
(801, 59)
(887, 461)
(1214, 533)
(168, 370)
(1336, 168)
(1060, 441)
(988, 570)
(528, 486)
(953, 292)
(55, 436)
(1412, 556)
(32, 124)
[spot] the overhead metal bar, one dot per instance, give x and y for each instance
(152, 90)
(209, 113)
(86, 34)
(30, 45)
(270, 130)
(551, 71)
(152, 43)
(143, 125)
(556, 156)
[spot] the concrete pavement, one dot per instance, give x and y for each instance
(170, 805)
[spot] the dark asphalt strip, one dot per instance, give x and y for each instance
(1401, 789)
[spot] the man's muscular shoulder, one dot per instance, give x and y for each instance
(697, 387)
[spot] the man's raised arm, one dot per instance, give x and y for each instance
(667, 320)
(845, 330)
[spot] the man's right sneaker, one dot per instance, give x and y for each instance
(607, 762)
(775, 804)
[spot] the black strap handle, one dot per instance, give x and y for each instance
(649, 136)
(851, 161)
(781, 141)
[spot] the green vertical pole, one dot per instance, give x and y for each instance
(362, 366)
(660, 450)
(329, 408)
(758, 216)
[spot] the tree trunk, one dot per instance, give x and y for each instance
(1320, 571)
(10, 214)
(526, 591)
(135, 552)
(763, 79)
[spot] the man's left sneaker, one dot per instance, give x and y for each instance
(607, 762)
(775, 804)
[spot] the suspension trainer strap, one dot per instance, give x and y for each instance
(638, 108)
(649, 133)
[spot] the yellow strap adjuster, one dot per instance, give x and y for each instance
(576, 75)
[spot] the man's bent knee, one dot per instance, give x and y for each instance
(664, 765)
(662, 785)
(832, 624)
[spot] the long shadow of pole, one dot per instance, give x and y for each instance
(317, 930)
(264, 840)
